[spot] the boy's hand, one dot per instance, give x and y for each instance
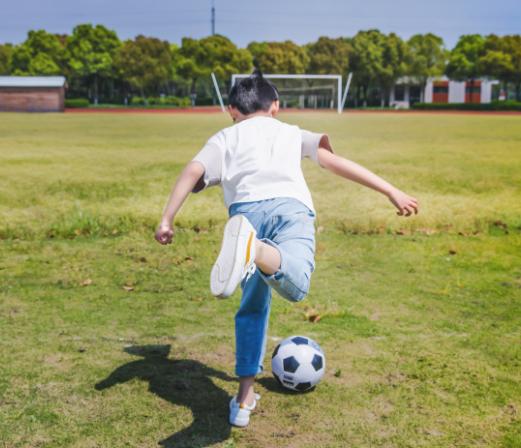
(406, 205)
(164, 234)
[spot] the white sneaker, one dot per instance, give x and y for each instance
(240, 413)
(236, 259)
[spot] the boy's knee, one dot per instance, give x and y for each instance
(293, 284)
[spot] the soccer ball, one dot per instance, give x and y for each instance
(298, 363)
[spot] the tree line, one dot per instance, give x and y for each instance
(101, 67)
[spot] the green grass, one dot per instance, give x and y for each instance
(108, 339)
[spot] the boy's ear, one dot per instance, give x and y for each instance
(234, 113)
(274, 108)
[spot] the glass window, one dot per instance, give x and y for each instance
(440, 89)
(414, 94)
(399, 93)
(475, 89)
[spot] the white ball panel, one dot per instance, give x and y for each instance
(304, 354)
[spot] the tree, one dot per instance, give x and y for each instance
(279, 57)
(502, 60)
(377, 61)
(496, 62)
(366, 61)
(197, 59)
(42, 53)
(91, 51)
(181, 85)
(145, 63)
(329, 56)
(427, 58)
(464, 59)
(513, 49)
(395, 57)
(6, 53)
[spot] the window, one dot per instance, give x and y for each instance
(472, 90)
(415, 94)
(399, 93)
(440, 89)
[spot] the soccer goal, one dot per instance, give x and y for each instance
(306, 91)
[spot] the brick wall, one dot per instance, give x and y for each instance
(440, 92)
(32, 99)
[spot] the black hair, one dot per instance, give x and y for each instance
(251, 94)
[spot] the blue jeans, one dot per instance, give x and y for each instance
(287, 225)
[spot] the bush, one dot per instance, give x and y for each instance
(493, 106)
(137, 101)
(77, 103)
(506, 105)
(165, 101)
(178, 101)
(205, 100)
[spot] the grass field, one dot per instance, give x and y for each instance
(108, 339)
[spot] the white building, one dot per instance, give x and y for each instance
(408, 91)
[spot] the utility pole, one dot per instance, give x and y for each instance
(213, 17)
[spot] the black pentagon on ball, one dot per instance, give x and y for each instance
(317, 362)
(299, 340)
(290, 364)
(303, 386)
(275, 351)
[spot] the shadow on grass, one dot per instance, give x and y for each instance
(273, 385)
(182, 382)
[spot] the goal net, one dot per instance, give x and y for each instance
(305, 91)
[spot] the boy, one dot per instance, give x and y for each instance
(269, 239)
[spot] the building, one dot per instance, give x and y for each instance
(32, 93)
(441, 90)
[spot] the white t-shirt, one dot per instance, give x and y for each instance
(259, 158)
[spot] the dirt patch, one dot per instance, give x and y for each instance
(267, 432)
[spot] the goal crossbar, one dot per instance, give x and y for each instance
(337, 78)
(304, 89)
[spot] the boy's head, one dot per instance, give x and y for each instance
(253, 94)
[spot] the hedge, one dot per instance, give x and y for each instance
(174, 101)
(77, 102)
(493, 106)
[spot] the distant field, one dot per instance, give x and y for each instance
(108, 339)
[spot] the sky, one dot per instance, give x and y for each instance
(244, 21)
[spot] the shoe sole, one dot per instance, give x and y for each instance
(225, 277)
(240, 423)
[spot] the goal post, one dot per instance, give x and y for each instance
(329, 86)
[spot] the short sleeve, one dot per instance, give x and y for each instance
(210, 156)
(310, 144)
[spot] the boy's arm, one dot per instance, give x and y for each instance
(185, 183)
(406, 205)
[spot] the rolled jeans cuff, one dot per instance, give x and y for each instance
(281, 280)
(248, 370)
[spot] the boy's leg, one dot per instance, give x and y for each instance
(251, 324)
(267, 258)
(246, 394)
(294, 239)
